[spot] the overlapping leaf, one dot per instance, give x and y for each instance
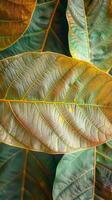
(50, 102)
(48, 30)
(85, 175)
(90, 31)
(26, 174)
(15, 17)
(56, 104)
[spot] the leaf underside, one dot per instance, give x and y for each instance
(53, 103)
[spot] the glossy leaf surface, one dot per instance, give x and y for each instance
(90, 31)
(15, 17)
(50, 102)
(85, 175)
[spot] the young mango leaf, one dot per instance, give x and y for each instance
(90, 31)
(15, 17)
(26, 174)
(85, 175)
(50, 102)
(47, 30)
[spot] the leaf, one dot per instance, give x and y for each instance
(90, 31)
(53, 103)
(47, 30)
(103, 184)
(85, 175)
(15, 17)
(26, 174)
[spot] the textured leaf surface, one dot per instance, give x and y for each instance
(50, 102)
(90, 31)
(15, 17)
(85, 175)
(47, 30)
(26, 174)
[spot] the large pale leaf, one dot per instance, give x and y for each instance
(15, 16)
(50, 102)
(25, 174)
(90, 31)
(85, 175)
(47, 30)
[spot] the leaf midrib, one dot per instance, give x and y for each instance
(87, 32)
(54, 102)
(49, 25)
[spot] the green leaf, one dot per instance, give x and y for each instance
(53, 103)
(26, 174)
(47, 30)
(90, 31)
(85, 175)
(103, 183)
(15, 17)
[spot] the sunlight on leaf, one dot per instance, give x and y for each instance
(50, 102)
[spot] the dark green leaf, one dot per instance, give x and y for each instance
(26, 175)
